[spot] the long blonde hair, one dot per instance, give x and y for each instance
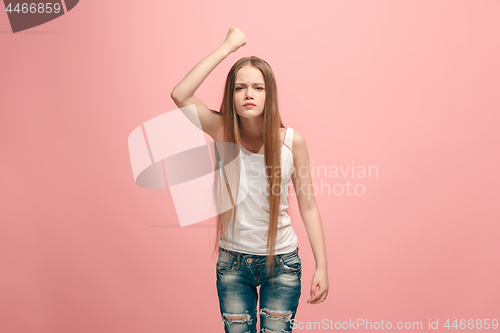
(272, 155)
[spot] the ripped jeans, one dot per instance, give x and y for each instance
(239, 274)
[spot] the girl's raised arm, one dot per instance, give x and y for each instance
(183, 93)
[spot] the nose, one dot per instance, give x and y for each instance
(248, 94)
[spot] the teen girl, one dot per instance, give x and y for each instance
(256, 242)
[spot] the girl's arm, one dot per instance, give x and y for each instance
(310, 215)
(183, 93)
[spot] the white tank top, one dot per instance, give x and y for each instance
(252, 213)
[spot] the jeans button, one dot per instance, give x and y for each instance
(249, 260)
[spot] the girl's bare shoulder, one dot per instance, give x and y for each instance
(299, 147)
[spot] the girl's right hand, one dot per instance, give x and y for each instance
(235, 39)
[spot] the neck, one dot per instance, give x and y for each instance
(252, 129)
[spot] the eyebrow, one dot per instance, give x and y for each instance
(245, 83)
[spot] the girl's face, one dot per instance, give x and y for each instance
(249, 88)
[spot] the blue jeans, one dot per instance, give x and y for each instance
(239, 274)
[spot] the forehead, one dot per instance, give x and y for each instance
(249, 74)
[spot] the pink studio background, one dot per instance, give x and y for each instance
(410, 87)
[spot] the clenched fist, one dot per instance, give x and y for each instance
(235, 39)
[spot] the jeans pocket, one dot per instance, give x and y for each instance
(225, 262)
(292, 262)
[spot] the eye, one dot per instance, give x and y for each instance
(260, 88)
(238, 88)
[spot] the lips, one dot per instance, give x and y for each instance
(249, 104)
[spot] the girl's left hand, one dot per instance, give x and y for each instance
(319, 280)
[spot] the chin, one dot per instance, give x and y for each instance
(249, 113)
